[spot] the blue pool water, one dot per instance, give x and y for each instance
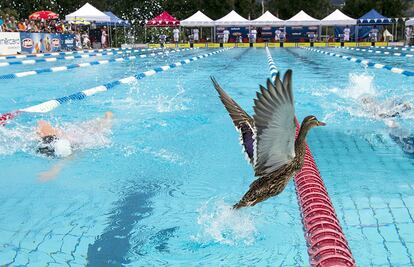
(157, 189)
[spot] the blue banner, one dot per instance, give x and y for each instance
(46, 42)
(68, 42)
(300, 34)
(235, 32)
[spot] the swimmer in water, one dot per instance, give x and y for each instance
(55, 142)
(388, 109)
(58, 143)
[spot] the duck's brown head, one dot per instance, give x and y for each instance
(311, 121)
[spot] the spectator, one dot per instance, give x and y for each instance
(104, 37)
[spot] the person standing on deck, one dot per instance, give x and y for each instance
(104, 37)
(277, 35)
(408, 35)
(226, 35)
(253, 34)
(176, 35)
(373, 34)
(195, 35)
(347, 34)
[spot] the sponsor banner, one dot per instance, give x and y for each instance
(67, 42)
(9, 43)
(40, 42)
(235, 32)
(300, 34)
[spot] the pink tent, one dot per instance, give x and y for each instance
(163, 20)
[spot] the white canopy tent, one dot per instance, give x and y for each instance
(337, 18)
(409, 22)
(89, 13)
(232, 19)
(267, 19)
(199, 19)
(302, 19)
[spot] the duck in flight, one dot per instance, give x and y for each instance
(268, 138)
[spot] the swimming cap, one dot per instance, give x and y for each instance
(62, 148)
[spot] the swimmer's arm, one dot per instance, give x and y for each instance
(53, 172)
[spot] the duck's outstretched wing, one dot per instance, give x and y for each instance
(275, 126)
(241, 120)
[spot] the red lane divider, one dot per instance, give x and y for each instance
(7, 116)
(327, 245)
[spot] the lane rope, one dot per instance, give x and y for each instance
(86, 64)
(50, 105)
(53, 59)
(405, 48)
(364, 62)
(377, 51)
(327, 244)
(60, 53)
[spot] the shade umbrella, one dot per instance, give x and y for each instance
(44, 14)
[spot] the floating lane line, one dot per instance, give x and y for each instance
(327, 244)
(54, 59)
(61, 53)
(54, 103)
(86, 64)
(364, 61)
(394, 48)
(377, 51)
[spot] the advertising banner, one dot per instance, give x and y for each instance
(67, 42)
(300, 34)
(266, 33)
(40, 42)
(9, 43)
(235, 32)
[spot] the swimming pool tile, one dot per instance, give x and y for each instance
(372, 234)
(395, 202)
(389, 233)
(406, 232)
(408, 200)
(352, 217)
(378, 202)
(401, 215)
(398, 255)
(367, 217)
(362, 202)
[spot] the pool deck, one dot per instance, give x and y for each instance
(276, 45)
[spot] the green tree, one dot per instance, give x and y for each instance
(285, 9)
(388, 8)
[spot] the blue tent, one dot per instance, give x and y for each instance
(374, 18)
(115, 21)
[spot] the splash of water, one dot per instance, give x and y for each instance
(220, 223)
(16, 139)
(360, 85)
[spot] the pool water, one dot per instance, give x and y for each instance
(157, 189)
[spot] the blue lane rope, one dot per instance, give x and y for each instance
(52, 104)
(399, 54)
(60, 53)
(82, 65)
(405, 48)
(53, 59)
(364, 61)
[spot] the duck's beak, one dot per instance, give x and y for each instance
(320, 123)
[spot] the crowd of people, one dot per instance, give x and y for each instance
(11, 24)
